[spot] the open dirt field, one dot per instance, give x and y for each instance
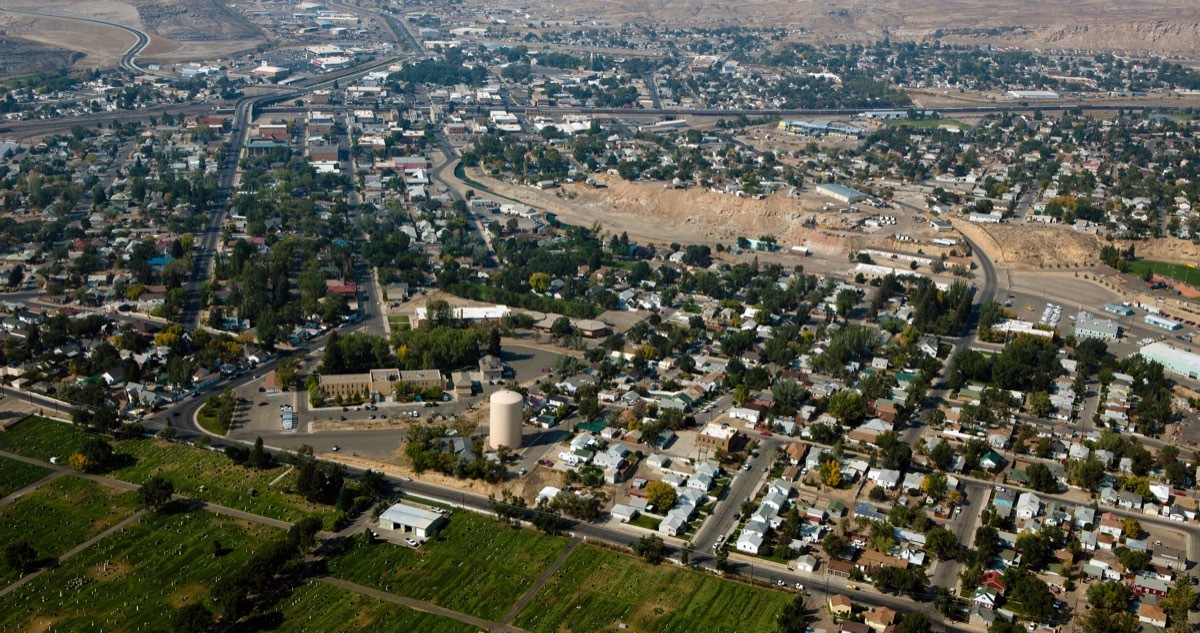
(1159, 25)
(649, 212)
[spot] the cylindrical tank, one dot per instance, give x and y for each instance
(508, 408)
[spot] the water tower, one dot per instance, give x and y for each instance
(508, 408)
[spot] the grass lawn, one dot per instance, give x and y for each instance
(15, 475)
(648, 522)
(208, 421)
(460, 173)
(596, 590)
(135, 579)
(1180, 272)
(316, 607)
(211, 476)
(475, 565)
(67, 512)
(398, 323)
(42, 439)
(925, 124)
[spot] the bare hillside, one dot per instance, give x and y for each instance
(22, 57)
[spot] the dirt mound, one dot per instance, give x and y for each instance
(1168, 249)
(194, 20)
(1023, 245)
(695, 215)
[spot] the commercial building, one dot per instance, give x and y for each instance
(378, 382)
(841, 193)
(421, 522)
(1160, 322)
(1088, 326)
(274, 73)
(1173, 360)
(714, 436)
(1118, 309)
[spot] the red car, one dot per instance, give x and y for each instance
(263, 403)
(766, 433)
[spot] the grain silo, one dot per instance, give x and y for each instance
(507, 411)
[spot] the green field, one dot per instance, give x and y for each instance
(316, 607)
(208, 421)
(925, 124)
(15, 475)
(1180, 272)
(196, 472)
(398, 323)
(42, 439)
(475, 566)
(596, 590)
(66, 512)
(134, 579)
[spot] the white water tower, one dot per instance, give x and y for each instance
(508, 408)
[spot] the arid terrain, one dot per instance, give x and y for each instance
(179, 30)
(1159, 25)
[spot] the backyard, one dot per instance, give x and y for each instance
(597, 590)
(135, 579)
(475, 565)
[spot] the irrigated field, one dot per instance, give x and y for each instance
(316, 607)
(134, 579)
(195, 472)
(597, 590)
(475, 566)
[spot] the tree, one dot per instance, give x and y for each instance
(848, 407)
(792, 618)
(831, 473)
(258, 457)
(1130, 527)
(942, 455)
(942, 543)
(192, 618)
(1101, 621)
(546, 518)
(539, 282)
(934, 484)
(1110, 596)
(156, 493)
(914, 623)
(1180, 599)
(1039, 404)
(660, 495)
(834, 545)
(649, 548)
(1040, 478)
(21, 557)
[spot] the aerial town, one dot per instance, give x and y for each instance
(458, 317)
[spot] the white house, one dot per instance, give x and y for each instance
(1028, 506)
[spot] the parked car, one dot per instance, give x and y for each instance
(410, 542)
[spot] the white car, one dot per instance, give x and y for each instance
(720, 538)
(410, 542)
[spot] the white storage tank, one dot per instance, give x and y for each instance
(508, 408)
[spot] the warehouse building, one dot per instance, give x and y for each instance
(410, 519)
(841, 193)
(1173, 360)
(1160, 322)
